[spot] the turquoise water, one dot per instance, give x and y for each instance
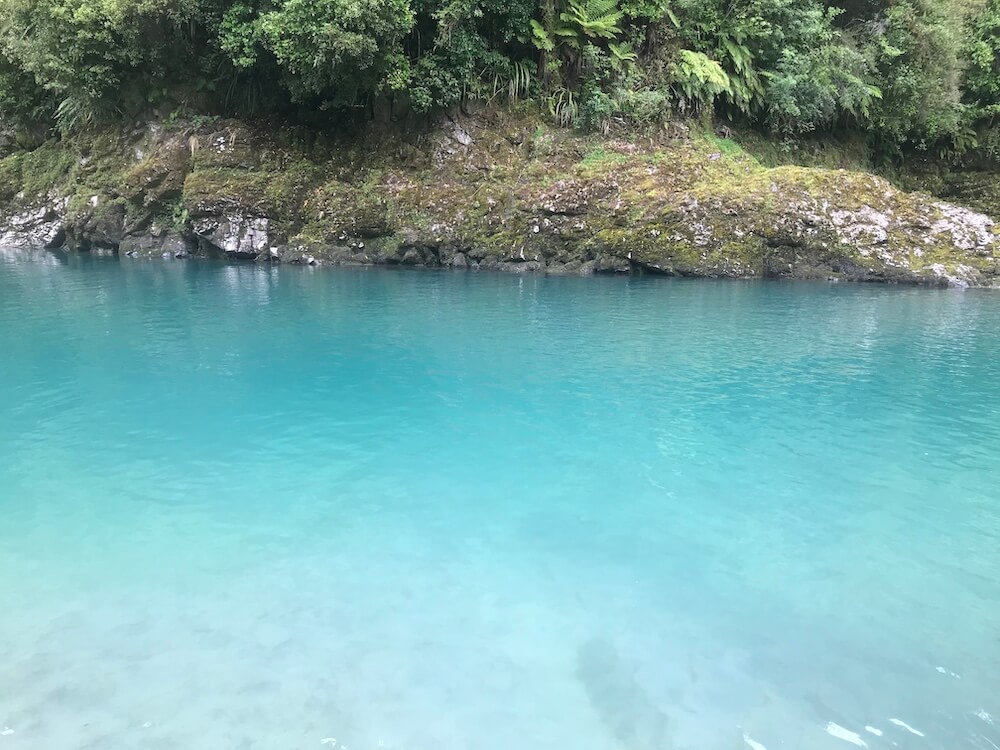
(279, 508)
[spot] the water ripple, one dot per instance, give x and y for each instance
(265, 507)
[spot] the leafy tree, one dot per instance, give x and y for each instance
(912, 74)
(334, 49)
(811, 90)
(96, 57)
(915, 46)
(982, 74)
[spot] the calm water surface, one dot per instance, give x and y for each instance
(245, 507)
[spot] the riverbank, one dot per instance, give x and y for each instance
(490, 191)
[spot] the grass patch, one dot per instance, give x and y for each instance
(725, 146)
(599, 157)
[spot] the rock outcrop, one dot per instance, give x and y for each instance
(39, 226)
(486, 192)
(234, 235)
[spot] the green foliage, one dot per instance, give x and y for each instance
(240, 35)
(23, 103)
(908, 74)
(583, 39)
(73, 112)
(575, 23)
(562, 106)
(541, 38)
(916, 47)
(982, 72)
(699, 78)
(97, 56)
(589, 20)
(621, 56)
(515, 81)
(811, 90)
(646, 11)
(329, 48)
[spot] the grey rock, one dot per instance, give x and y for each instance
(235, 235)
(36, 227)
(102, 227)
(168, 244)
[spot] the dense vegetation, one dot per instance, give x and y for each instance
(911, 74)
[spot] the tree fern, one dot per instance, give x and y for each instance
(700, 78)
(745, 84)
(576, 22)
(541, 38)
(622, 56)
(594, 19)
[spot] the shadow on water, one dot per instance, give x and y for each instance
(618, 699)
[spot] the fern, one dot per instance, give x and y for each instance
(700, 78)
(745, 84)
(622, 56)
(541, 38)
(962, 140)
(593, 19)
(577, 22)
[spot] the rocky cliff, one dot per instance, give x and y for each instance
(486, 192)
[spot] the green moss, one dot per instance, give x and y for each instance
(598, 160)
(832, 152)
(288, 189)
(46, 167)
(10, 177)
(697, 203)
(36, 173)
(724, 146)
(211, 188)
(336, 211)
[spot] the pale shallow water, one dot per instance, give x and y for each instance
(244, 507)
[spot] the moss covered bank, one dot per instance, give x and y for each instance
(489, 191)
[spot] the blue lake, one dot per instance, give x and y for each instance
(280, 508)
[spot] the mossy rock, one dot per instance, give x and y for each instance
(159, 178)
(510, 194)
(211, 191)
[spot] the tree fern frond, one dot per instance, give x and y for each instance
(598, 8)
(540, 37)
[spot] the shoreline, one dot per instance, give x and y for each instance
(488, 193)
(63, 253)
